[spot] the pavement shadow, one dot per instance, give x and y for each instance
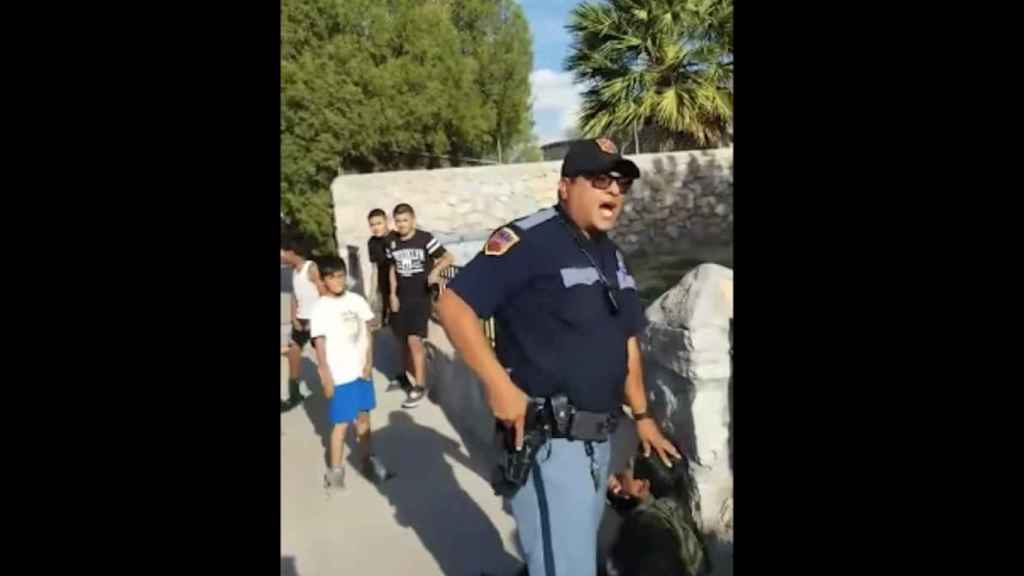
(459, 393)
(387, 357)
(315, 407)
(449, 523)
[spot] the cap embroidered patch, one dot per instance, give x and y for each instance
(499, 242)
(607, 145)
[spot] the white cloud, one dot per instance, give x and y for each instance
(554, 92)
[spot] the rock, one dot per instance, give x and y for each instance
(721, 210)
(666, 199)
(706, 205)
(687, 198)
(697, 228)
(654, 183)
(686, 349)
(672, 231)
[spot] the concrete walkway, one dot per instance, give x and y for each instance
(439, 516)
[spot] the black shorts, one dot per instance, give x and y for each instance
(412, 318)
(301, 337)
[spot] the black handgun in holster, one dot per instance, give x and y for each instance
(514, 466)
(546, 418)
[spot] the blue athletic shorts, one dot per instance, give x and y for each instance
(350, 399)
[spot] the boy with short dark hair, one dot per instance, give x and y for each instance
(341, 334)
(380, 281)
(376, 249)
(417, 260)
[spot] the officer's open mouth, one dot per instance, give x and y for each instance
(607, 208)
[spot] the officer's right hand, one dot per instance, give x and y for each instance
(509, 406)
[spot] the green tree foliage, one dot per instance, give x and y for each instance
(370, 85)
(664, 66)
(527, 151)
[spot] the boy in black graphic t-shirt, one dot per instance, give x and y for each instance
(380, 282)
(417, 260)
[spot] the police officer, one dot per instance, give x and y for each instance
(567, 317)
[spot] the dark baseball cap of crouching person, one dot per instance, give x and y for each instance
(596, 156)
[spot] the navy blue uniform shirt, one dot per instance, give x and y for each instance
(556, 331)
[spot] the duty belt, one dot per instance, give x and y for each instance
(560, 419)
(546, 418)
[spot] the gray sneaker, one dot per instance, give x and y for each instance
(375, 471)
(334, 479)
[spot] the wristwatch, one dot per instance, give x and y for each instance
(638, 416)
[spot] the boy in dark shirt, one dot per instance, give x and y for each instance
(380, 281)
(417, 260)
(380, 276)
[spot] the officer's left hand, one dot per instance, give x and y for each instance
(650, 436)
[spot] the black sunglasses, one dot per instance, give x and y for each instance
(603, 181)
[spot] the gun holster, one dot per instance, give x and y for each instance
(546, 418)
(514, 465)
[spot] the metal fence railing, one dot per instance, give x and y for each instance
(488, 323)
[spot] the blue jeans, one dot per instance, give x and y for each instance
(558, 511)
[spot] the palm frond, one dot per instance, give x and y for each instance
(660, 62)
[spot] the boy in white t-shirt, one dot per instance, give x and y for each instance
(341, 334)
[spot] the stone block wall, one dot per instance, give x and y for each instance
(681, 198)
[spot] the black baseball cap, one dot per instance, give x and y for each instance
(596, 156)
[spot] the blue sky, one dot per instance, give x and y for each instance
(555, 98)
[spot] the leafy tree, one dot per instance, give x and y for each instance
(371, 85)
(527, 151)
(662, 66)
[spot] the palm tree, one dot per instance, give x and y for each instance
(660, 65)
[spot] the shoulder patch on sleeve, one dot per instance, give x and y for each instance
(501, 241)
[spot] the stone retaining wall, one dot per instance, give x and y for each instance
(682, 198)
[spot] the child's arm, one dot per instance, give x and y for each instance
(371, 290)
(366, 315)
(314, 277)
(326, 379)
(318, 331)
(394, 287)
(442, 263)
(442, 259)
(295, 311)
(368, 369)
